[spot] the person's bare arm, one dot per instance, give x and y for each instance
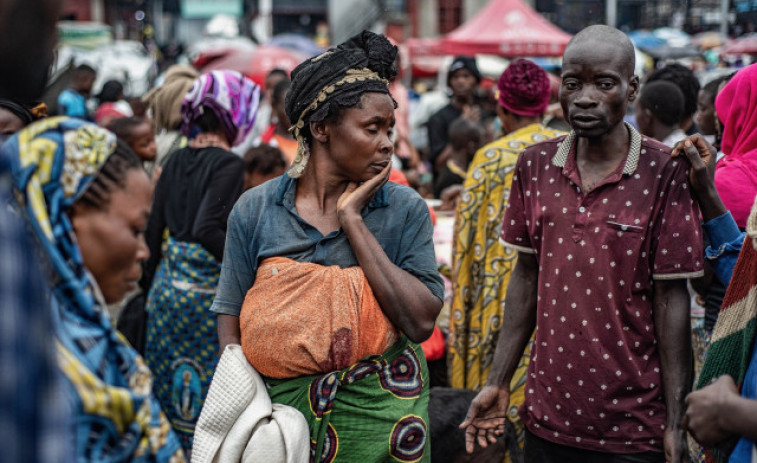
(228, 331)
(673, 332)
(405, 299)
(488, 412)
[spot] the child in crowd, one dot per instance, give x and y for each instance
(262, 163)
(113, 104)
(659, 112)
(706, 119)
(138, 134)
(465, 138)
(73, 100)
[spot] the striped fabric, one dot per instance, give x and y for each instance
(732, 338)
(734, 332)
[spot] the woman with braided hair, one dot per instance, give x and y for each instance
(329, 279)
(86, 200)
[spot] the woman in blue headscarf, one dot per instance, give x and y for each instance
(86, 199)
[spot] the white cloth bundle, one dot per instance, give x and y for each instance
(238, 422)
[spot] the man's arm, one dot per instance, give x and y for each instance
(673, 332)
(487, 414)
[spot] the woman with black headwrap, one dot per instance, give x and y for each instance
(329, 279)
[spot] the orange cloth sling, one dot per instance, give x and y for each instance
(301, 319)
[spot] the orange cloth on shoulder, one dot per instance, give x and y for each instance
(301, 319)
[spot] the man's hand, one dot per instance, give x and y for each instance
(486, 417)
(702, 157)
(356, 197)
(676, 450)
(704, 408)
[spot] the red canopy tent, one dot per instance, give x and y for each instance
(508, 28)
(425, 56)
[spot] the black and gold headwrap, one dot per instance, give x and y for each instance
(336, 79)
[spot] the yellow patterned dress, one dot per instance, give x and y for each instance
(482, 266)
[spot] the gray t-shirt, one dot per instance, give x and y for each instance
(264, 223)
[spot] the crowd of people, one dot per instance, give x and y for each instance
(230, 272)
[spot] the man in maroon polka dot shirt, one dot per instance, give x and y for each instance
(607, 234)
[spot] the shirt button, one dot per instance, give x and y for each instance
(581, 209)
(624, 227)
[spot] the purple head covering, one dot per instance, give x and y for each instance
(233, 98)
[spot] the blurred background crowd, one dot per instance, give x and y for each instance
(126, 47)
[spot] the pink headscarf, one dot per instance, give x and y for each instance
(736, 173)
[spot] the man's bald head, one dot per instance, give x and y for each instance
(598, 81)
(600, 35)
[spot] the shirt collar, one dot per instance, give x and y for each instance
(632, 160)
(288, 188)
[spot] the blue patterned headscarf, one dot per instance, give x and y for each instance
(117, 418)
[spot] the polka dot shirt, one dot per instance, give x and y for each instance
(594, 377)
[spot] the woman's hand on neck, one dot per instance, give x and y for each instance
(356, 197)
(318, 192)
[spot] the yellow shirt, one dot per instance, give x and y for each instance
(482, 267)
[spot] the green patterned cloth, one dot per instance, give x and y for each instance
(373, 411)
